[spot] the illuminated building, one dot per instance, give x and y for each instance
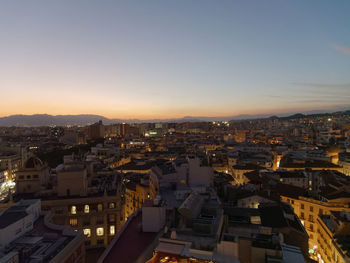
(28, 236)
(344, 162)
(98, 216)
(334, 237)
(135, 195)
(240, 135)
(11, 162)
(309, 209)
(84, 195)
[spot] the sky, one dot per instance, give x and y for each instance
(164, 59)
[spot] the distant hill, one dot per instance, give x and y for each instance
(87, 119)
(47, 120)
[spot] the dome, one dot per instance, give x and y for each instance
(33, 162)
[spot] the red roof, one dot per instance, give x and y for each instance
(131, 244)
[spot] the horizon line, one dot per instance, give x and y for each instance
(187, 116)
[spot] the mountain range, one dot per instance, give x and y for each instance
(87, 119)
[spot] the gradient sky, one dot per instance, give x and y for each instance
(159, 59)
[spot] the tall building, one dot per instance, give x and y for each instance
(96, 131)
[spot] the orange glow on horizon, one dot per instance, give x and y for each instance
(142, 114)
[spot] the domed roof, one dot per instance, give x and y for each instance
(33, 162)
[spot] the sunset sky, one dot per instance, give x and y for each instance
(164, 59)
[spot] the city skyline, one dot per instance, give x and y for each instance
(157, 60)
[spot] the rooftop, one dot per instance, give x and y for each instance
(130, 244)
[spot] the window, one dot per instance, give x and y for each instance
(87, 232)
(73, 210)
(320, 211)
(311, 218)
(311, 236)
(99, 207)
(111, 230)
(86, 209)
(73, 221)
(292, 202)
(99, 231)
(302, 206)
(111, 218)
(99, 220)
(302, 215)
(311, 227)
(111, 205)
(311, 208)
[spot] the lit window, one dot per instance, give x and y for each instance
(99, 231)
(86, 209)
(87, 232)
(112, 230)
(111, 205)
(73, 210)
(73, 221)
(99, 207)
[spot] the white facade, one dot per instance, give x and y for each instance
(21, 224)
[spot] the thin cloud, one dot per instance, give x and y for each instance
(345, 50)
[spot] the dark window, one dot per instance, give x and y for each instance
(111, 218)
(311, 218)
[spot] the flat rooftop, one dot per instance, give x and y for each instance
(42, 242)
(131, 243)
